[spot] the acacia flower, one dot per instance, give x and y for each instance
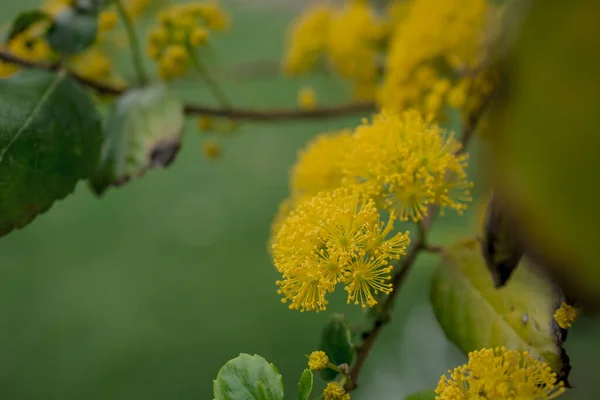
(335, 237)
(318, 360)
(335, 391)
(565, 315)
(498, 374)
(408, 163)
(307, 98)
(319, 166)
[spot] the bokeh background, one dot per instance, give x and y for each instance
(145, 293)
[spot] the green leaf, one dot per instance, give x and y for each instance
(475, 315)
(143, 131)
(246, 378)
(501, 248)
(305, 386)
(545, 141)
(336, 341)
(427, 395)
(25, 20)
(73, 30)
(50, 137)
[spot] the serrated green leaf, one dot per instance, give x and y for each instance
(336, 341)
(474, 314)
(50, 136)
(305, 385)
(143, 131)
(25, 20)
(248, 377)
(544, 133)
(427, 395)
(73, 30)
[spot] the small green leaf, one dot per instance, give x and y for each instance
(248, 378)
(50, 137)
(305, 386)
(336, 341)
(519, 315)
(501, 248)
(427, 395)
(25, 20)
(143, 131)
(73, 30)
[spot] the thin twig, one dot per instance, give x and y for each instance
(213, 86)
(133, 43)
(199, 109)
(406, 264)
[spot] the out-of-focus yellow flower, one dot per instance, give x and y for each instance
(182, 26)
(307, 40)
(205, 123)
(211, 150)
(29, 45)
(307, 98)
(565, 315)
(107, 20)
(431, 32)
(335, 391)
(320, 165)
(408, 163)
(498, 374)
(335, 237)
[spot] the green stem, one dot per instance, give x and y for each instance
(213, 86)
(133, 43)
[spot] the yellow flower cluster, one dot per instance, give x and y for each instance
(346, 39)
(433, 38)
(407, 163)
(29, 45)
(318, 360)
(499, 374)
(320, 166)
(565, 315)
(335, 391)
(335, 237)
(181, 28)
(416, 53)
(329, 231)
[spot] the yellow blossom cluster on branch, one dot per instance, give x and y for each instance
(335, 238)
(422, 54)
(330, 230)
(180, 30)
(499, 374)
(94, 63)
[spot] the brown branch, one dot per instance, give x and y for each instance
(198, 109)
(406, 264)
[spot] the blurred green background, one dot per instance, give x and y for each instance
(145, 293)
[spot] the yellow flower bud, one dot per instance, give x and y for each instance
(307, 98)
(107, 20)
(176, 53)
(198, 37)
(211, 150)
(335, 391)
(565, 315)
(205, 123)
(318, 360)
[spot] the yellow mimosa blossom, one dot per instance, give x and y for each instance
(307, 40)
(318, 360)
(180, 29)
(499, 374)
(565, 315)
(29, 45)
(335, 391)
(107, 20)
(432, 33)
(335, 237)
(211, 150)
(353, 38)
(307, 98)
(93, 64)
(320, 164)
(408, 163)
(205, 123)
